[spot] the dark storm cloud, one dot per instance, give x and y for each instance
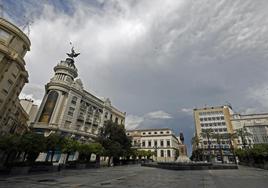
(158, 56)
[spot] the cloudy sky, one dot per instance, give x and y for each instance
(156, 60)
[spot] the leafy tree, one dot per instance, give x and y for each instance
(9, 144)
(69, 145)
(219, 138)
(31, 144)
(54, 141)
(231, 137)
(197, 153)
(208, 133)
(114, 140)
(243, 134)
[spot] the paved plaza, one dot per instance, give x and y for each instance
(137, 176)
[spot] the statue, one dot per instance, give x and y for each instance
(73, 54)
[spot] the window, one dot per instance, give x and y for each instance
(67, 124)
(209, 119)
(218, 118)
(15, 72)
(149, 143)
(213, 118)
(161, 143)
(167, 132)
(201, 119)
(168, 153)
(162, 153)
(205, 119)
(74, 99)
(223, 123)
(143, 143)
(202, 125)
(222, 118)
(7, 86)
(168, 143)
(155, 132)
(155, 143)
(4, 35)
(161, 132)
(49, 107)
(143, 133)
(149, 132)
(71, 111)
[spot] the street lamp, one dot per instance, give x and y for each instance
(155, 151)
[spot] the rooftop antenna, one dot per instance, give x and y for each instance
(26, 26)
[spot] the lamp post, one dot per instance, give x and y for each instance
(155, 151)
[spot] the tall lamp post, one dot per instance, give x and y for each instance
(155, 151)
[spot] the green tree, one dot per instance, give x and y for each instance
(9, 144)
(219, 138)
(243, 134)
(31, 144)
(54, 141)
(114, 140)
(197, 153)
(208, 133)
(69, 145)
(231, 137)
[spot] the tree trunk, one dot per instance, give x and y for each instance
(209, 151)
(52, 155)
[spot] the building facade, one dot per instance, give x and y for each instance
(254, 124)
(30, 108)
(13, 46)
(69, 109)
(160, 141)
(218, 120)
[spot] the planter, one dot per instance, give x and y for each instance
(20, 170)
(81, 165)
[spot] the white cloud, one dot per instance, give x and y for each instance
(158, 115)
(133, 121)
(188, 111)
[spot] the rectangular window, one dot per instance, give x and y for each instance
(71, 111)
(162, 153)
(143, 143)
(7, 86)
(4, 35)
(161, 143)
(168, 143)
(149, 143)
(155, 143)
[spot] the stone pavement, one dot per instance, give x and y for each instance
(137, 176)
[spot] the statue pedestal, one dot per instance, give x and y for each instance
(183, 159)
(183, 155)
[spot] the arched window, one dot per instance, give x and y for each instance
(49, 107)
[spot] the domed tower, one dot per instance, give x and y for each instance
(53, 105)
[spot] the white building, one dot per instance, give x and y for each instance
(69, 109)
(30, 108)
(161, 141)
(255, 124)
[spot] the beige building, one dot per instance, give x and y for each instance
(218, 119)
(161, 141)
(255, 124)
(69, 109)
(13, 46)
(30, 108)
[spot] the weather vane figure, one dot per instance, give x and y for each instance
(73, 54)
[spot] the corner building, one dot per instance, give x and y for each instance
(218, 119)
(70, 110)
(13, 46)
(161, 141)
